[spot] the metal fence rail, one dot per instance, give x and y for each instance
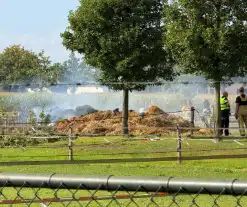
(78, 190)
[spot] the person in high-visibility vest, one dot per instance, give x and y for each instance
(225, 113)
(241, 111)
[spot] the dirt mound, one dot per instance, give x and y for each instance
(155, 121)
(155, 110)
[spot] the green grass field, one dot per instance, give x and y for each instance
(98, 148)
(115, 147)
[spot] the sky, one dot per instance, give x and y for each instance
(36, 25)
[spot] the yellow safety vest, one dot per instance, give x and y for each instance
(243, 108)
(224, 104)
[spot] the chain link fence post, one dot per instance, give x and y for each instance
(179, 145)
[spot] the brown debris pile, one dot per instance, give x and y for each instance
(154, 122)
(205, 131)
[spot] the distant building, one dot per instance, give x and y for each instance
(80, 90)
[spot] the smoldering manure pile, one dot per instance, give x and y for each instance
(154, 122)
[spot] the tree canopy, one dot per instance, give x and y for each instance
(17, 65)
(208, 38)
(121, 38)
(21, 66)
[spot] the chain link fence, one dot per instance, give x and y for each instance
(75, 190)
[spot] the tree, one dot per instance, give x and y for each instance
(55, 73)
(43, 69)
(124, 40)
(208, 37)
(77, 71)
(72, 68)
(20, 66)
(17, 65)
(48, 72)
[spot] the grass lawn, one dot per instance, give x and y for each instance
(99, 148)
(115, 147)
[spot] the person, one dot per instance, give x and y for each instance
(241, 111)
(225, 113)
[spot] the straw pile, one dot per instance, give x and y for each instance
(155, 122)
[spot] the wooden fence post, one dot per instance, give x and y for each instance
(179, 145)
(192, 120)
(70, 144)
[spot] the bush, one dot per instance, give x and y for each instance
(17, 141)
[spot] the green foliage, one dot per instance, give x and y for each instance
(20, 141)
(77, 71)
(44, 66)
(121, 38)
(48, 73)
(42, 115)
(17, 65)
(32, 118)
(208, 37)
(4, 103)
(45, 118)
(20, 66)
(55, 73)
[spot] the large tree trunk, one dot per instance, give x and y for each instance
(125, 112)
(217, 109)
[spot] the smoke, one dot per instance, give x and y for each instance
(170, 97)
(58, 101)
(63, 105)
